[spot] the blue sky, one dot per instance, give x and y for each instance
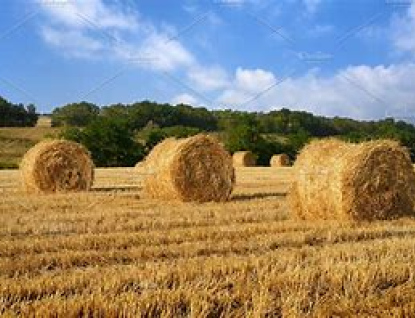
(331, 57)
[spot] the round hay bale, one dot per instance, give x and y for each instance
(192, 169)
(281, 160)
(368, 181)
(57, 166)
(244, 159)
(157, 153)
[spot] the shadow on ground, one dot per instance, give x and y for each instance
(254, 196)
(116, 188)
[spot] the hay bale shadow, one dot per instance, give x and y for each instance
(254, 196)
(124, 188)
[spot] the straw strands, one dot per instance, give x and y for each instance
(57, 166)
(191, 169)
(338, 180)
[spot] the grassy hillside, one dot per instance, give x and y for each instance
(14, 142)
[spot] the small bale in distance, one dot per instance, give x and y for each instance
(244, 159)
(57, 166)
(281, 160)
(355, 182)
(195, 169)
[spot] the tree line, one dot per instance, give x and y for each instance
(138, 115)
(122, 134)
(143, 124)
(17, 115)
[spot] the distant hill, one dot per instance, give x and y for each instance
(14, 142)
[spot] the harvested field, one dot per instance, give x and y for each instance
(111, 252)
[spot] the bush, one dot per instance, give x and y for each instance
(110, 141)
(76, 114)
(140, 114)
(242, 134)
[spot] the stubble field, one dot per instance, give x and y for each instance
(112, 253)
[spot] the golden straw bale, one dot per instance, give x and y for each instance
(338, 180)
(57, 166)
(158, 151)
(191, 169)
(244, 159)
(281, 160)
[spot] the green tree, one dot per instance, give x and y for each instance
(110, 141)
(244, 134)
(296, 142)
(76, 114)
(17, 115)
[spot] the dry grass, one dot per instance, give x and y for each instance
(110, 252)
(14, 142)
(34, 134)
(44, 121)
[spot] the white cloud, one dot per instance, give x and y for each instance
(363, 92)
(398, 34)
(403, 31)
(93, 28)
(355, 91)
(358, 91)
(165, 54)
(74, 13)
(245, 84)
(208, 78)
(185, 99)
(234, 98)
(72, 42)
(253, 81)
